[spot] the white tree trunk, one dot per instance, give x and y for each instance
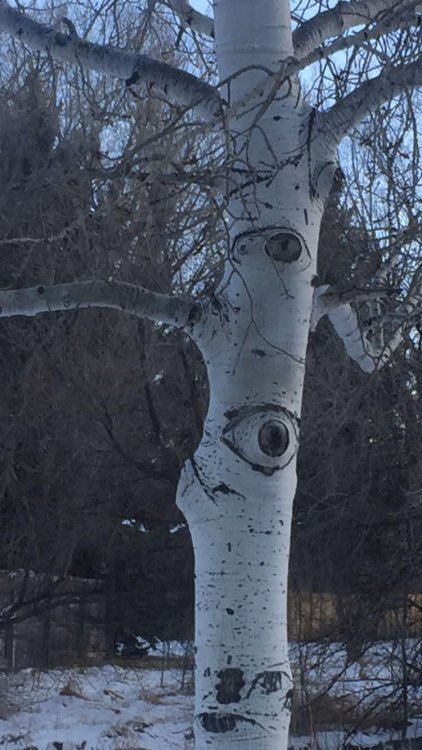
(237, 492)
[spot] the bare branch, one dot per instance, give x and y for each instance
(348, 112)
(333, 23)
(403, 20)
(365, 339)
(359, 347)
(328, 298)
(192, 18)
(131, 67)
(111, 294)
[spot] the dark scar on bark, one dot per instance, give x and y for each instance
(216, 724)
(288, 700)
(230, 685)
(224, 489)
(270, 682)
(194, 314)
(133, 79)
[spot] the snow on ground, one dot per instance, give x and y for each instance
(375, 678)
(121, 708)
(96, 708)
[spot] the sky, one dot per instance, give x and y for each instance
(202, 5)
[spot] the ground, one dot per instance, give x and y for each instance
(114, 707)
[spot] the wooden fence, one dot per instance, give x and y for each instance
(65, 622)
(48, 622)
(314, 616)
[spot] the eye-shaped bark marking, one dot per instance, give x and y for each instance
(280, 244)
(284, 247)
(264, 436)
(273, 438)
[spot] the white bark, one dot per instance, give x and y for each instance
(383, 16)
(403, 19)
(237, 492)
(112, 294)
(367, 343)
(348, 112)
(345, 15)
(368, 354)
(192, 18)
(132, 68)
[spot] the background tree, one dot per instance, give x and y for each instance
(83, 457)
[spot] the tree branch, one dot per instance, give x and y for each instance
(348, 112)
(328, 298)
(192, 18)
(131, 67)
(365, 339)
(111, 294)
(332, 23)
(345, 322)
(404, 18)
(387, 24)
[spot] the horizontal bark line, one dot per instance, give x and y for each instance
(116, 295)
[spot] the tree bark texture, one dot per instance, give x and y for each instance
(237, 492)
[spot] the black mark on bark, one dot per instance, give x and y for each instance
(284, 247)
(269, 682)
(61, 40)
(267, 470)
(197, 474)
(232, 414)
(224, 489)
(217, 724)
(230, 685)
(288, 701)
(133, 79)
(273, 438)
(194, 314)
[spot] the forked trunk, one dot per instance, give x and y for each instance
(237, 492)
